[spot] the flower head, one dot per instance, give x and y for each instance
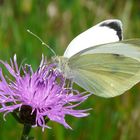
(38, 96)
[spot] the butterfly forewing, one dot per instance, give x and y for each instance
(104, 32)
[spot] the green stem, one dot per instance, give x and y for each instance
(25, 132)
(14, 114)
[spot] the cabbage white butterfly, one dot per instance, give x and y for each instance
(98, 61)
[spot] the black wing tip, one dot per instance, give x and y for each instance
(114, 24)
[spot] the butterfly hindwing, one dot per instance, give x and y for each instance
(108, 73)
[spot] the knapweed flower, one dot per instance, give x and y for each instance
(38, 96)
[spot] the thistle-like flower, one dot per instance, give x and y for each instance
(38, 96)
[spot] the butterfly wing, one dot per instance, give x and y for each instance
(104, 32)
(107, 70)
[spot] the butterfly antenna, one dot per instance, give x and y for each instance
(43, 43)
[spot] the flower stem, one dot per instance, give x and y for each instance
(15, 115)
(25, 132)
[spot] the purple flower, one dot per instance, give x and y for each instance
(38, 96)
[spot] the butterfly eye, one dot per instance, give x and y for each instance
(55, 60)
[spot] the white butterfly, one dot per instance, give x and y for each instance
(105, 70)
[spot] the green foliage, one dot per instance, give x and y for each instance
(57, 23)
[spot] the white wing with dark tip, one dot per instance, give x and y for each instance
(105, 32)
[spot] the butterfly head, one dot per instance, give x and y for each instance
(62, 65)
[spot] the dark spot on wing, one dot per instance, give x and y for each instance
(118, 56)
(114, 25)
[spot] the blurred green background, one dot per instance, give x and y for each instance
(57, 23)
